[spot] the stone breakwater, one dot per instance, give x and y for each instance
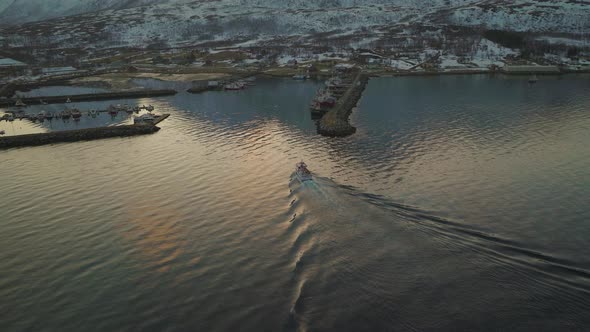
(90, 97)
(75, 135)
(335, 123)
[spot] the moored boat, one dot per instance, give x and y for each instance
(113, 110)
(302, 173)
(41, 116)
(144, 119)
(76, 114)
(66, 114)
(234, 86)
(19, 103)
(2, 132)
(325, 99)
(300, 77)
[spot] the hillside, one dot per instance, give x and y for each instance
(176, 23)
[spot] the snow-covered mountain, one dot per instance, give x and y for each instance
(177, 22)
(21, 11)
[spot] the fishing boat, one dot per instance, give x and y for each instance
(300, 77)
(66, 114)
(19, 103)
(149, 108)
(76, 114)
(302, 173)
(49, 116)
(144, 119)
(234, 86)
(325, 99)
(113, 110)
(2, 132)
(41, 116)
(93, 113)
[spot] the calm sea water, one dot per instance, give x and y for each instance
(460, 204)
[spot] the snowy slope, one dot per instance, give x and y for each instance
(20, 11)
(184, 21)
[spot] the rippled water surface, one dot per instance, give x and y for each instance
(460, 204)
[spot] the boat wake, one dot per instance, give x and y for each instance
(343, 237)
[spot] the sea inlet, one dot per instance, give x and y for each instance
(460, 204)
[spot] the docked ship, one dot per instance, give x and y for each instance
(302, 173)
(76, 114)
(234, 86)
(144, 119)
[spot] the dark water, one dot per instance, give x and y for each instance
(460, 204)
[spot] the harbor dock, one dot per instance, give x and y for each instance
(335, 123)
(80, 134)
(87, 97)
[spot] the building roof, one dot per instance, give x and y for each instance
(53, 70)
(7, 62)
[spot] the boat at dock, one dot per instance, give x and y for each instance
(76, 114)
(113, 110)
(234, 86)
(41, 116)
(300, 77)
(144, 119)
(302, 173)
(49, 116)
(19, 103)
(93, 113)
(325, 99)
(2, 132)
(66, 114)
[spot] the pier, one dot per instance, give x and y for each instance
(77, 135)
(88, 97)
(335, 122)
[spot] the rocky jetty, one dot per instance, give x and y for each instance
(75, 135)
(335, 123)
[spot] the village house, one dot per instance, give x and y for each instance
(10, 67)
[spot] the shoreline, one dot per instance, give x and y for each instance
(119, 81)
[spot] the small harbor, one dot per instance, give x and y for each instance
(86, 134)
